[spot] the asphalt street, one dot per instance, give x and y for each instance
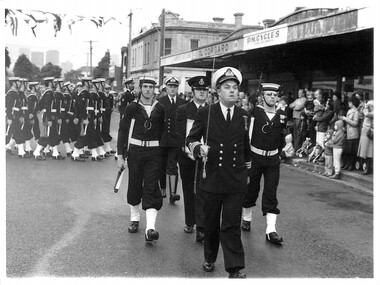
(64, 220)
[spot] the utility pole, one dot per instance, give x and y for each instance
(128, 70)
(91, 55)
(162, 47)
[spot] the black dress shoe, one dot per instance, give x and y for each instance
(77, 158)
(273, 238)
(188, 229)
(237, 274)
(25, 155)
(82, 155)
(246, 226)
(200, 236)
(98, 158)
(105, 155)
(208, 266)
(151, 235)
(68, 154)
(58, 157)
(39, 157)
(112, 152)
(133, 227)
(173, 198)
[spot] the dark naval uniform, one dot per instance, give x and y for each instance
(266, 144)
(144, 153)
(169, 145)
(125, 99)
(193, 201)
(225, 184)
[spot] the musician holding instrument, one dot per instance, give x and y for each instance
(138, 141)
(226, 158)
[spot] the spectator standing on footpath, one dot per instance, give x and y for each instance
(224, 128)
(298, 106)
(365, 149)
(338, 142)
(352, 130)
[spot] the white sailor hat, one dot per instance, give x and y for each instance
(270, 87)
(162, 87)
(50, 78)
(33, 83)
(67, 83)
(101, 79)
(13, 78)
(107, 86)
(79, 84)
(96, 80)
(226, 73)
(147, 79)
(172, 80)
(128, 80)
(58, 80)
(86, 78)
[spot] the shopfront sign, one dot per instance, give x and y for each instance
(267, 37)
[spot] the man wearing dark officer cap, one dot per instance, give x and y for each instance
(226, 160)
(169, 138)
(138, 140)
(267, 130)
(127, 97)
(188, 166)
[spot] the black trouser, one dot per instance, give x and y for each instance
(144, 164)
(193, 202)
(106, 127)
(269, 167)
(169, 164)
(228, 231)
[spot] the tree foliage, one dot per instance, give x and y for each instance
(50, 70)
(7, 58)
(102, 70)
(25, 69)
(72, 76)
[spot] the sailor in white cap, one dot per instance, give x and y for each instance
(226, 159)
(169, 138)
(127, 97)
(138, 141)
(267, 132)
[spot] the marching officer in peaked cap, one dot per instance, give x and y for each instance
(127, 97)
(44, 117)
(68, 133)
(169, 140)
(226, 159)
(267, 131)
(189, 166)
(138, 140)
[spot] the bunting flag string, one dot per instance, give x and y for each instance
(35, 17)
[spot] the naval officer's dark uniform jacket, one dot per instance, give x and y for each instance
(266, 144)
(193, 201)
(169, 140)
(143, 152)
(225, 184)
(13, 106)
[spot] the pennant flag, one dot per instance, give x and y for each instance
(12, 21)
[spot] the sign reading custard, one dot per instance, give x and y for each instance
(267, 37)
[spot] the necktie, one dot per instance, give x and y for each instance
(228, 115)
(172, 101)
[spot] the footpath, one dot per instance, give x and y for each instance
(354, 178)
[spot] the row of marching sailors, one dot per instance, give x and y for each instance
(79, 115)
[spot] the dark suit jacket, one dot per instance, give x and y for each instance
(185, 113)
(226, 169)
(169, 136)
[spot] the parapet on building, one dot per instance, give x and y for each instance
(330, 49)
(179, 36)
